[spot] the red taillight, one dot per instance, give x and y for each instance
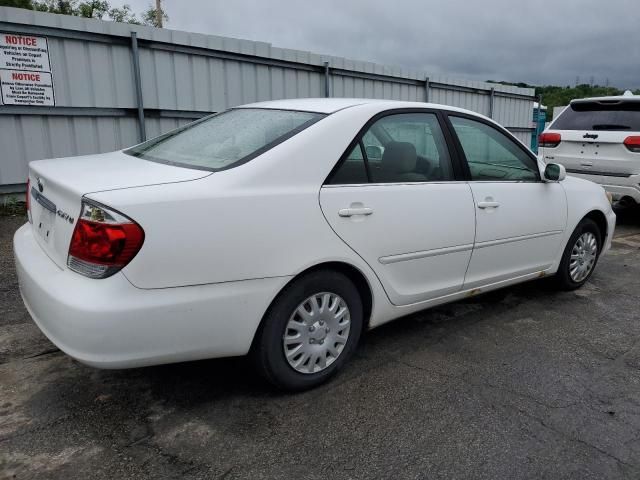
(549, 140)
(103, 242)
(633, 143)
(113, 245)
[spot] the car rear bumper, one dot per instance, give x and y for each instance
(110, 323)
(618, 186)
(619, 191)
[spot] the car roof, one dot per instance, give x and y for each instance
(331, 105)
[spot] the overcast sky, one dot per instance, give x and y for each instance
(534, 41)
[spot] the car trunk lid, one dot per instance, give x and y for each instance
(58, 185)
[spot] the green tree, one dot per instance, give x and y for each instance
(17, 4)
(123, 15)
(62, 7)
(150, 17)
(93, 9)
(100, 9)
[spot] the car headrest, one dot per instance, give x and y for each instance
(399, 157)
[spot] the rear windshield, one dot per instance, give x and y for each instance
(225, 140)
(600, 116)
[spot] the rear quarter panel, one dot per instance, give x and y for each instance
(258, 220)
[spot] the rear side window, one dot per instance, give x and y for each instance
(225, 140)
(352, 171)
(600, 116)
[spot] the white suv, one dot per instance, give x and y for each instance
(598, 139)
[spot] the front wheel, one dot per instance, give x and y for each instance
(580, 256)
(309, 332)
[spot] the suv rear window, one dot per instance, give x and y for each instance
(225, 140)
(600, 116)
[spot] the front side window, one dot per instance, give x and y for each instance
(398, 148)
(491, 155)
(225, 140)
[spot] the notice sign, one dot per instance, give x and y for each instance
(25, 70)
(26, 88)
(24, 52)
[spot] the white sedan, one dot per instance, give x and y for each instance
(283, 229)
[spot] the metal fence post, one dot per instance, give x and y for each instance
(138, 82)
(537, 130)
(326, 79)
(426, 89)
(492, 97)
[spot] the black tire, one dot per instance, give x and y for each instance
(268, 352)
(562, 279)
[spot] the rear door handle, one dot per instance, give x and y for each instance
(350, 212)
(488, 204)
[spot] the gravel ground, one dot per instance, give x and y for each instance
(526, 383)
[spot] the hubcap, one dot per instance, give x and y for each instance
(317, 332)
(583, 257)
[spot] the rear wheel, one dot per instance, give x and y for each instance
(310, 331)
(580, 256)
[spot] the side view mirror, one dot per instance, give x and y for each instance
(373, 152)
(554, 172)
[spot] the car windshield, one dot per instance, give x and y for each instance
(225, 140)
(600, 116)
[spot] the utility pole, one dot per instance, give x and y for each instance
(158, 14)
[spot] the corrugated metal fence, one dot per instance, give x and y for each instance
(116, 84)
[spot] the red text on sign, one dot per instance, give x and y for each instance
(16, 40)
(31, 77)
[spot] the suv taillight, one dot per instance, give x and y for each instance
(632, 143)
(549, 140)
(103, 241)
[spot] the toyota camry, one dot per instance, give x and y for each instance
(284, 229)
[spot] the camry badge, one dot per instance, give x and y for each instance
(65, 216)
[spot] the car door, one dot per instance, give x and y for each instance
(520, 219)
(394, 199)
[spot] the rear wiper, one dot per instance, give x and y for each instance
(610, 126)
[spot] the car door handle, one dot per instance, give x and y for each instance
(586, 164)
(350, 212)
(488, 204)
